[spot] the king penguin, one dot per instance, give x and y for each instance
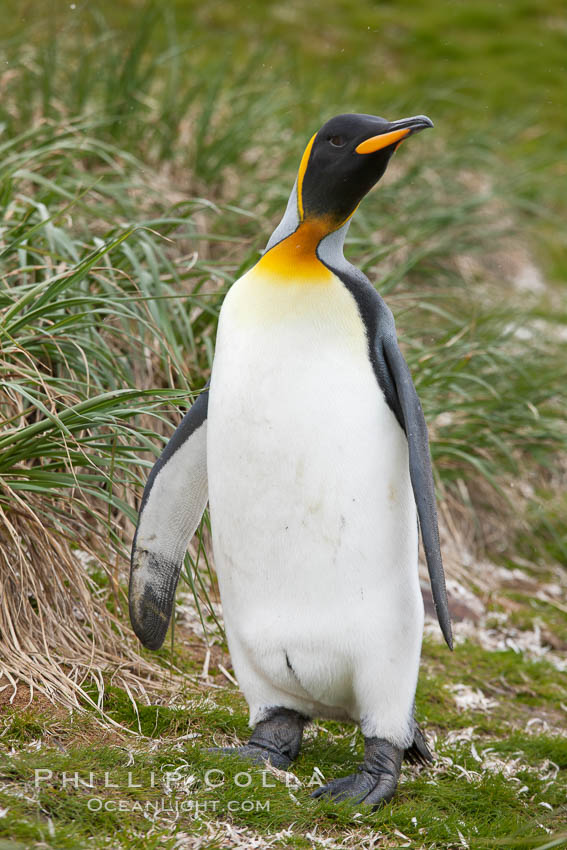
(311, 447)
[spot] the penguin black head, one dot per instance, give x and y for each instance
(345, 159)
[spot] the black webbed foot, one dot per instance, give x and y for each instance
(376, 779)
(276, 739)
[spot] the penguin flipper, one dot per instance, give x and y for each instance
(174, 499)
(421, 475)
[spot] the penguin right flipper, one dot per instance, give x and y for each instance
(174, 499)
(421, 474)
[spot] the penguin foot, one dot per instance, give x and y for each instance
(258, 755)
(376, 779)
(276, 739)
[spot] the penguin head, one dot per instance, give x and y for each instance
(344, 160)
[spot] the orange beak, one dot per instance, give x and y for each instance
(376, 143)
(400, 130)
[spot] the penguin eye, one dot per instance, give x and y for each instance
(337, 141)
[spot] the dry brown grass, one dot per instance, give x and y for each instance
(57, 635)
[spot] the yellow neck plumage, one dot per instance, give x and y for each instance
(295, 258)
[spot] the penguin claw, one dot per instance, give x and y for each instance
(361, 787)
(253, 753)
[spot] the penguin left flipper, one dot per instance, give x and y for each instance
(413, 421)
(174, 499)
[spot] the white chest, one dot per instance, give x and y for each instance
(291, 378)
(304, 455)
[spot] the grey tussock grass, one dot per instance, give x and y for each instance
(141, 171)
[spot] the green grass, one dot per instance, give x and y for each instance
(462, 796)
(145, 155)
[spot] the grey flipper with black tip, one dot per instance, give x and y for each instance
(394, 378)
(174, 499)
